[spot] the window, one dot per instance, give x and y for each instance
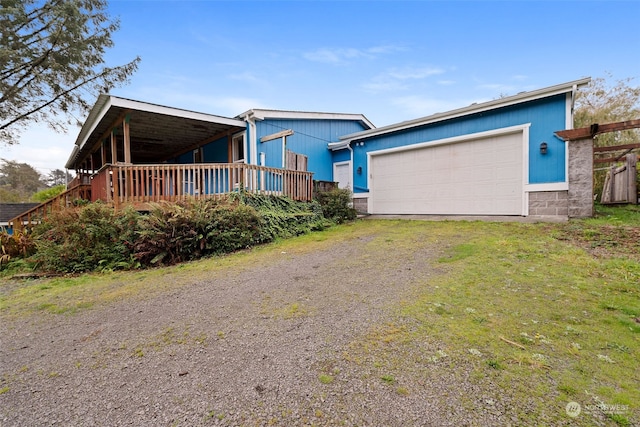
(237, 148)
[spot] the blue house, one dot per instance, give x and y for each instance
(500, 157)
(496, 158)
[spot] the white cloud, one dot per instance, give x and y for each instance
(380, 84)
(505, 89)
(228, 106)
(396, 79)
(418, 106)
(343, 55)
(42, 148)
(245, 77)
(389, 48)
(498, 87)
(335, 56)
(414, 73)
(446, 82)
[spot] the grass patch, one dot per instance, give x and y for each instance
(325, 378)
(628, 216)
(569, 319)
(388, 379)
(459, 252)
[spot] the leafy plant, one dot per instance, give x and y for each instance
(176, 232)
(283, 217)
(86, 238)
(48, 193)
(17, 245)
(94, 237)
(337, 205)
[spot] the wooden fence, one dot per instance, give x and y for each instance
(141, 184)
(61, 201)
(137, 184)
(620, 184)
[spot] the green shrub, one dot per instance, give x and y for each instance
(48, 193)
(282, 216)
(18, 244)
(14, 246)
(337, 205)
(176, 232)
(95, 237)
(86, 238)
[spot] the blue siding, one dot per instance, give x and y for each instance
(184, 159)
(310, 138)
(213, 152)
(545, 115)
(216, 151)
(341, 156)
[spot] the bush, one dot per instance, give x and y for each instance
(13, 246)
(95, 237)
(86, 238)
(176, 232)
(337, 205)
(282, 216)
(48, 193)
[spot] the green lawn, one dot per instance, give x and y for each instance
(541, 311)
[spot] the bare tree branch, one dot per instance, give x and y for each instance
(49, 50)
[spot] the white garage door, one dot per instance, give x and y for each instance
(472, 177)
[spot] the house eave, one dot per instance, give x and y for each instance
(105, 103)
(469, 110)
(262, 114)
(340, 145)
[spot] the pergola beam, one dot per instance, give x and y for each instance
(615, 148)
(595, 129)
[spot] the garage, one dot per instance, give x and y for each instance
(477, 174)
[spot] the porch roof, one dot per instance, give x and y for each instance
(156, 132)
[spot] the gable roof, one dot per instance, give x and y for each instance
(261, 114)
(11, 210)
(461, 112)
(155, 130)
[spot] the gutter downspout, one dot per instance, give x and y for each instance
(250, 119)
(574, 93)
(350, 168)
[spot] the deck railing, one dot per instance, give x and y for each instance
(139, 184)
(61, 201)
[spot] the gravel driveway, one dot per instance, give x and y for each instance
(284, 342)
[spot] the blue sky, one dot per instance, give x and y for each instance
(389, 60)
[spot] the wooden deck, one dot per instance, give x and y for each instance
(139, 185)
(124, 184)
(61, 201)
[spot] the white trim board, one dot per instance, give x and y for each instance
(552, 186)
(454, 139)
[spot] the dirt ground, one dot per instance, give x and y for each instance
(266, 344)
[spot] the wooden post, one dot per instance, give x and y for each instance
(127, 140)
(632, 174)
(116, 185)
(103, 152)
(114, 148)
